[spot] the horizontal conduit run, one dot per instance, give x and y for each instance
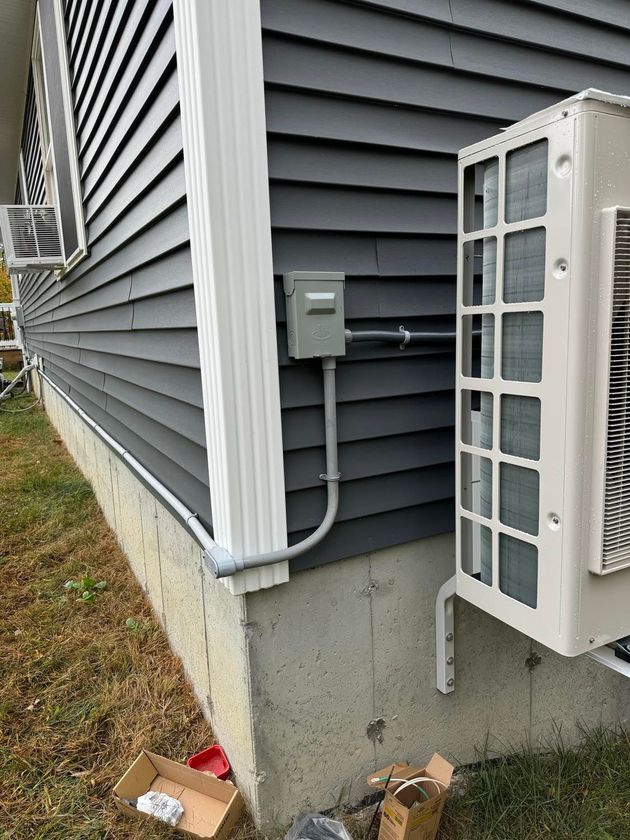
(217, 559)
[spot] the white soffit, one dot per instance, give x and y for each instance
(16, 33)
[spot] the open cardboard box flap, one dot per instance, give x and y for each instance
(211, 807)
(438, 768)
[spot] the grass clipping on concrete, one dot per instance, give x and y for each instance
(82, 689)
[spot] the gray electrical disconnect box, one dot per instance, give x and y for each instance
(315, 317)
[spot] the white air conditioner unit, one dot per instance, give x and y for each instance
(543, 394)
(31, 237)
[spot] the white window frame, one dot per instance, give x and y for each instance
(42, 105)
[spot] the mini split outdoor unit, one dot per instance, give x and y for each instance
(31, 237)
(543, 374)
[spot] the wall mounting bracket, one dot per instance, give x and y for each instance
(445, 636)
(606, 656)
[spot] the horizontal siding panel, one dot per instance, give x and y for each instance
(103, 297)
(595, 13)
(337, 23)
(180, 347)
(387, 256)
(110, 319)
(122, 119)
(549, 27)
(68, 302)
(170, 272)
(85, 60)
(613, 12)
(313, 162)
(301, 385)
(431, 9)
(341, 73)
(137, 180)
(369, 419)
(180, 383)
(85, 35)
(166, 234)
(381, 530)
(49, 350)
(370, 496)
(301, 114)
(103, 178)
(362, 459)
(168, 192)
(92, 377)
(172, 311)
(190, 456)
(77, 385)
(100, 59)
(166, 469)
(180, 417)
(101, 106)
(327, 208)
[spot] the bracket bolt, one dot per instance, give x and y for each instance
(450, 660)
(450, 681)
(449, 637)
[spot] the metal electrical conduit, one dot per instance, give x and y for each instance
(403, 337)
(218, 560)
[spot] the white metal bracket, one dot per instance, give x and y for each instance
(445, 636)
(606, 656)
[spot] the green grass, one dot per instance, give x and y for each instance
(560, 793)
(81, 693)
(566, 793)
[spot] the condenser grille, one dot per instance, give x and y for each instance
(34, 231)
(31, 236)
(616, 537)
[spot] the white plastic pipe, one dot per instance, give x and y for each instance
(4, 395)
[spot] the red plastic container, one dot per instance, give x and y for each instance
(212, 759)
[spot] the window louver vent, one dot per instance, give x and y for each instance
(30, 234)
(616, 531)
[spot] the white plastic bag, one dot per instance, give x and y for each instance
(161, 806)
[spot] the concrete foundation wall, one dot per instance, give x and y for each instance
(205, 624)
(343, 678)
(313, 684)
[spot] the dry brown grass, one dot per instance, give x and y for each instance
(81, 691)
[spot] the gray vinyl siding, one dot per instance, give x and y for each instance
(118, 333)
(367, 105)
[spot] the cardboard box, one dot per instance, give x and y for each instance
(211, 807)
(411, 815)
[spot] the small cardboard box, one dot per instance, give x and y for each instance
(411, 816)
(211, 807)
